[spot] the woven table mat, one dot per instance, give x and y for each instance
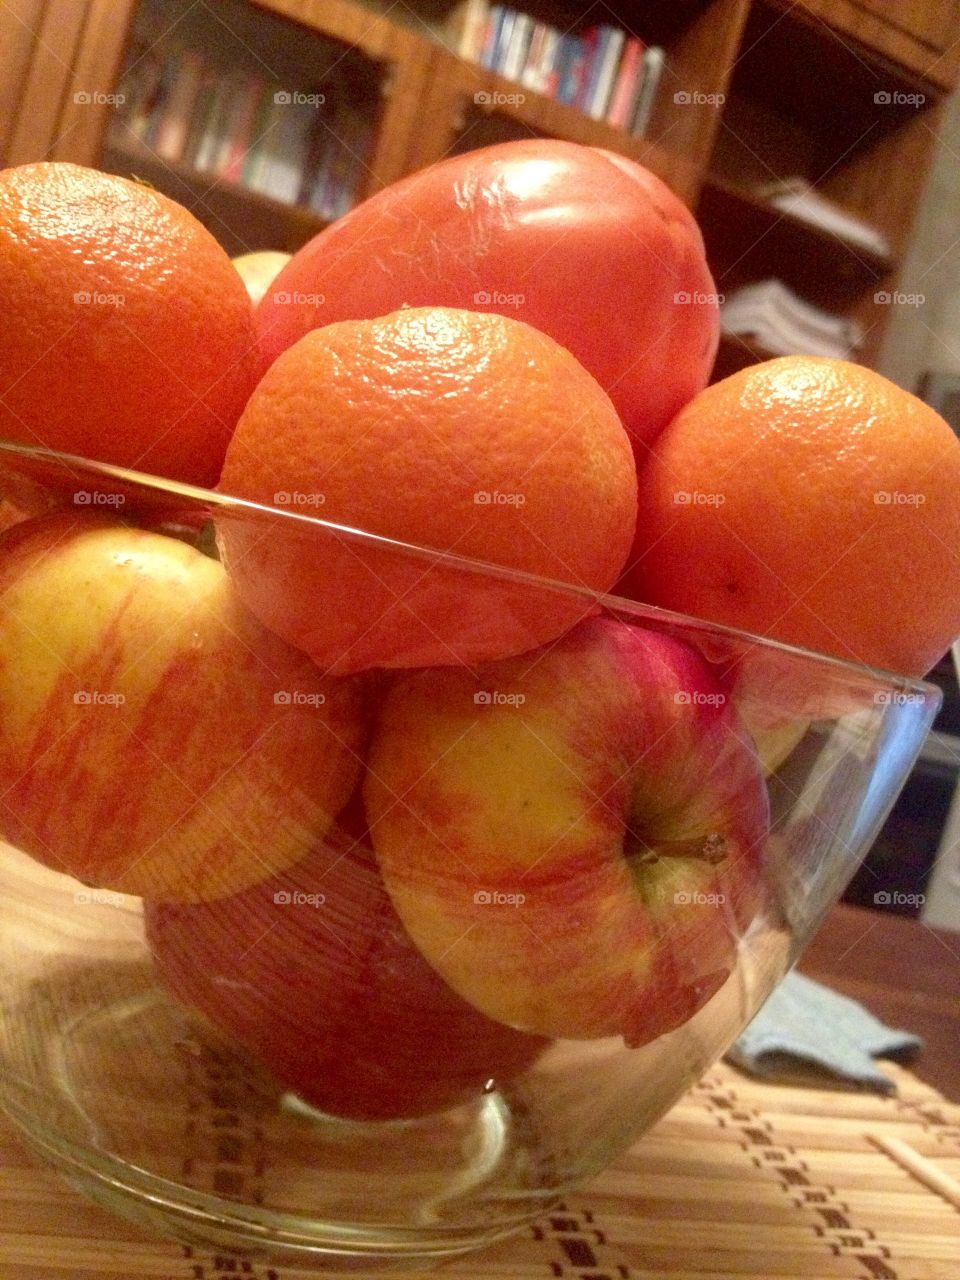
(741, 1179)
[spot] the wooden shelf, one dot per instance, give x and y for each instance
(749, 239)
(739, 209)
(537, 114)
(222, 206)
(916, 35)
(845, 93)
(455, 121)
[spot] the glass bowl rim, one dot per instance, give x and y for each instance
(214, 502)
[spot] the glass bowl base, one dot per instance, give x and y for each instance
(145, 1110)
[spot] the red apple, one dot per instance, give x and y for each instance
(312, 972)
(156, 739)
(10, 514)
(572, 838)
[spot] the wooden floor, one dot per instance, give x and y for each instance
(906, 974)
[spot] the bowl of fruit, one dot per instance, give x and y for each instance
(427, 734)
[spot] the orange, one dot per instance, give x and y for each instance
(458, 430)
(126, 332)
(813, 501)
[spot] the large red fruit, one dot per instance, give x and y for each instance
(589, 247)
(330, 993)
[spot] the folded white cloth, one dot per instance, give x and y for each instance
(806, 1029)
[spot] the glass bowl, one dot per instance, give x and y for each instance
(601, 857)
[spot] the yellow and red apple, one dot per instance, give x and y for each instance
(329, 993)
(572, 838)
(10, 514)
(156, 739)
(259, 269)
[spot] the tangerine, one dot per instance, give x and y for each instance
(813, 501)
(127, 334)
(460, 431)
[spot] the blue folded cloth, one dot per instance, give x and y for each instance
(804, 1025)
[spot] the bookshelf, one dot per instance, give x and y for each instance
(802, 102)
(469, 107)
(222, 206)
(751, 91)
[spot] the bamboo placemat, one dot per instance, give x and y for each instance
(740, 1180)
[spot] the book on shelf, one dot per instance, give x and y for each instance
(214, 125)
(548, 61)
(651, 73)
(139, 89)
(204, 105)
(161, 99)
(609, 53)
(530, 73)
(601, 71)
(286, 153)
(467, 28)
(623, 98)
(291, 145)
(174, 119)
(574, 66)
(586, 67)
(259, 135)
(340, 162)
(242, 128)
(516, 52)
(491, 30)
